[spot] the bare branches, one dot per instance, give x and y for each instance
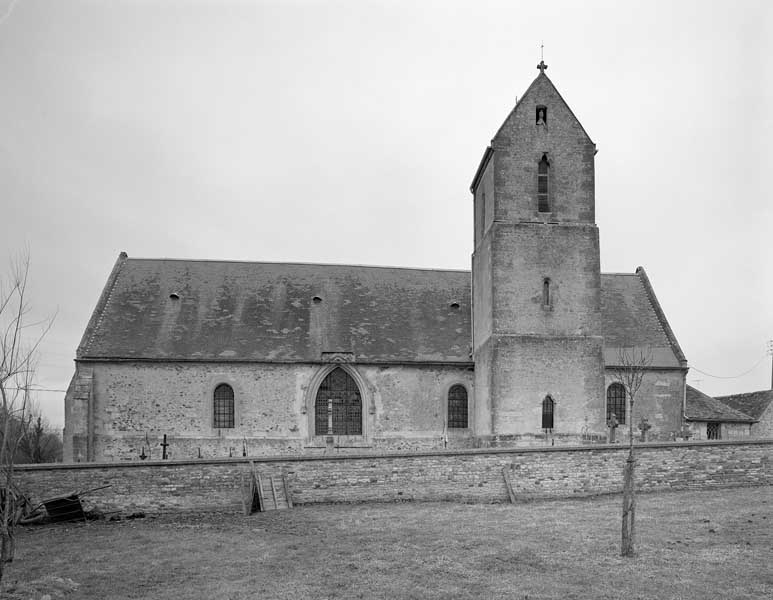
(20, 339)
(632, 364)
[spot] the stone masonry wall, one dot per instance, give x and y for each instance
(464, 476)
(404, 408)
(660, 400)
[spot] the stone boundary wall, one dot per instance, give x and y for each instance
(460, 475)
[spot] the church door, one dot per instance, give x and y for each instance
(338, 406)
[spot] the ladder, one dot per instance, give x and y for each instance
(265, 493)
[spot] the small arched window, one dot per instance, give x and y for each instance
(223, 407)
(546, 291)
(457, 407)
(542, 185)
(338, 407)
(547, 412)
(616, 402)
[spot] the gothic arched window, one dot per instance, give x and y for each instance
(223, 406)
(338, 407)
(542, 184)
(547, 412)
(616, 402)
(457, 407)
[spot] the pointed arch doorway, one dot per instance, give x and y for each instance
(338, 405)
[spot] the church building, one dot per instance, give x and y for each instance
(224, 358)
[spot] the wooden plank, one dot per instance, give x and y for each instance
(287, 492)
(259, 485)
(244, 502)
(510, 493)
(273, 492)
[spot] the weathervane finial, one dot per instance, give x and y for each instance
(542, 66)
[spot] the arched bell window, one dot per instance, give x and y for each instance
(542, 185)
(338, 406)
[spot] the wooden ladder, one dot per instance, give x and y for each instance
(266, 493)
(509, 484)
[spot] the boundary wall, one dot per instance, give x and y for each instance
(460, 475)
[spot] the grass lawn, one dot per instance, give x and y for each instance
(708, 544)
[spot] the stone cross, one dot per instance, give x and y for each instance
(612, 424)
(542, 66)
(164, 444)
(644, 427)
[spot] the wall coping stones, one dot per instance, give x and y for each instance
(381, 455)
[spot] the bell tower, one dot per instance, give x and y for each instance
(537, 338)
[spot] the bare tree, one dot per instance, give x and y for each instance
(41, 443)
(632, 364)
(20, 339)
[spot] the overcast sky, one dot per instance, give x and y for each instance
(349, 132)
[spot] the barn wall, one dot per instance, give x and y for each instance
(463, 475)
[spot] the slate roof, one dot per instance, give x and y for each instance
(253, 311)
(753, 404)
(700, 407)
(631, 316)
(267, 311)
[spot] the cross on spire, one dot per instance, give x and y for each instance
(542, 66)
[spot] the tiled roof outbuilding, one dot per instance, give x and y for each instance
(700, 407)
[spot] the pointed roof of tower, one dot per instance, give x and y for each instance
(538, 81)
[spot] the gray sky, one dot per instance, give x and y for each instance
(349, 132)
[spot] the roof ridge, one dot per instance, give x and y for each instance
(302, 263)
(767, 391)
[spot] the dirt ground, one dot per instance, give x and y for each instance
(691, 545)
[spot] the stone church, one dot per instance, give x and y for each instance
(232, 358)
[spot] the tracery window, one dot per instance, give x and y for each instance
(223, 407)
(338, 406)
(616, 402)
(542, 185)
(547, 412)
(457, 407)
